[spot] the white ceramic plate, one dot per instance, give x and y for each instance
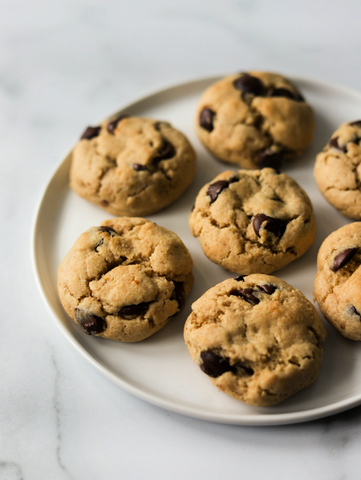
(160, 370)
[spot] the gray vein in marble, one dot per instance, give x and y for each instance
(10, 470)
(56, 406)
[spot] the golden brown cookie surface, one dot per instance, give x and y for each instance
(254, 120)
(125, 279)
(338, 170)
(132, 166)
(253, 221)
(257, 338)
(338, 280)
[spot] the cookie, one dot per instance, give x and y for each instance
(337, 170)
(125, 279)
(338, 280)
(254, 120)
(253, 221)
(132, 166)
(257, 338)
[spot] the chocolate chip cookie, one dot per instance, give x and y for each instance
(253, 221)
(125, 279)
(132, 166)
(257, 338)
(254, 120)
(338, 280)
(338, 170)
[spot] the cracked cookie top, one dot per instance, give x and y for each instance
(125, 279)
(338, 280)
(338, 170)
(257, 338)
(254, 120)
(131, 165)
(253, 221)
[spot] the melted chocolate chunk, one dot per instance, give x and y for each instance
(356, 123)
(248, 84)
(134, 310)
(112, 125)
(333, 143)
(206, 119)
(90, 132)
(109, 230)
(138, 167)
(342, 258)
(179, 294)
(240, 278)
(247, 295)
(244, 369)
(284, 92)
(270, 160)
(90, 323)
(216, 188)
(267, 288)
(273, 225)
(166, 152)
(214, 365)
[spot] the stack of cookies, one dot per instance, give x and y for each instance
(257, 338)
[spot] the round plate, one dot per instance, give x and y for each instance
(160, 370)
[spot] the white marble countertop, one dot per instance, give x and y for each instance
(64, 65)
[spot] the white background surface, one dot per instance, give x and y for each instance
(64, 65)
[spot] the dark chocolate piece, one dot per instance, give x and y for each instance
(166, 152)
(216, 188)
(273, 225)
(134, 310)
(247, 295)
(112, 125)
(248, 84)
(342, 258)
(90, 323)
(267, 288)
(90, 132)
(214, 365)
(206, 119)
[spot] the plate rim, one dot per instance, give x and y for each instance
(257, 419)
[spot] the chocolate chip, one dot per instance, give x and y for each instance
(90, 323)
(166, 152)
(109, 230)
(248, 84)
(112, 125)
(268, 159)
(284, 92)
(342, 258)
(90, 132)
(233, 179)
(240, 278)
(333, 143)
(214, 365)
(105, 203)
(356, 123)
(193, 207)
(267, 288)
(134, 310)
(216, 188)
(273, 225)
(179, 294)
(206, 119)
(244, 369)
(247, 295)
(138, 167)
